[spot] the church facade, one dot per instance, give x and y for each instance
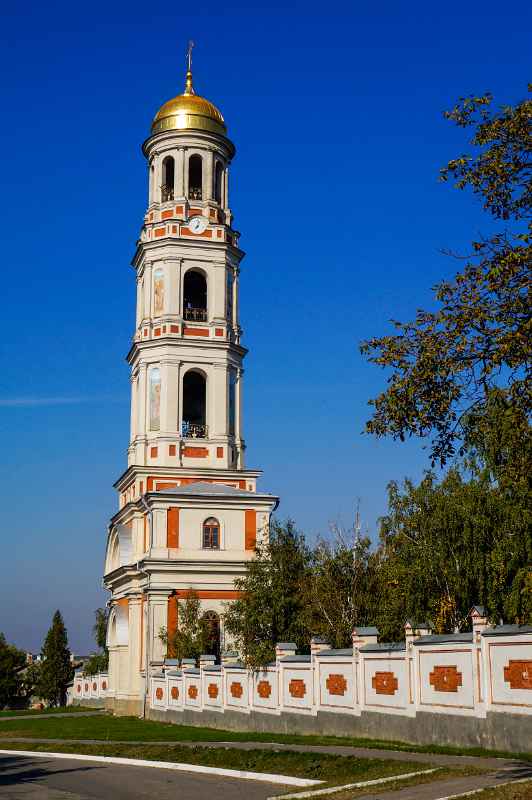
(189, 511)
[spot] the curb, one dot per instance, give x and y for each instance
(359, 785)
(265, 777)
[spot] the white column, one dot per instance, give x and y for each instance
(172, 396)
(180, 173)
(226, 188)
(164, 399)
(148, 290)
(238, 403)
(185, 172)
(141, 399)
(139, 301)
(218, 393)
(208, 173)
(134, 412)
(235, 298)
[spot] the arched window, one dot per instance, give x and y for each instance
(211, 625)
(167, 188)
(195, 296)
(218, 174)
(194, 406)
(211, 534)
(158, 291)
(155, 399)
(195, 177)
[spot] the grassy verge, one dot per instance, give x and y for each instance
(316, 766)
(34, 712)
(517, 791)
(130, 729)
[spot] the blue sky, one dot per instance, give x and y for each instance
(336, 112)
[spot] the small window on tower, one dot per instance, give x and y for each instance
(211, 534)
(195, 177)
(167, 188)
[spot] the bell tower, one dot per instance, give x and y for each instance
(189, 511)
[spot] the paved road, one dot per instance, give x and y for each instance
(26, 778)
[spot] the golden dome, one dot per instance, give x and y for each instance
(188, 111)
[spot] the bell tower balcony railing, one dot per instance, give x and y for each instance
(193, 430)
(167, 193)
(195, 193)
(195, 314)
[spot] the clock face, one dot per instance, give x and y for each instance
(198, 224)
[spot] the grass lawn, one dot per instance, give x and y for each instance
(131, 729)
(33, 712)
(516, 791)
(317, 766)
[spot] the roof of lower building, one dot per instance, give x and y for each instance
(205, 488)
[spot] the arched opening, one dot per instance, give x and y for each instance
(167, 188)
(194, 406)
(195, 296)
(218, 174)
(211, 534)
(211, 622)
(195, 177)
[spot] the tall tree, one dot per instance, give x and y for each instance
(446, 545)
(99, 662)
(341, 587)
(272, 606)
(12, 661)
(191, 635)
(56, 669)
(446, 363)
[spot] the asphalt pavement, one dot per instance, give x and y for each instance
(27, 778)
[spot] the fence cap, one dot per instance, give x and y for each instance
(319, 640)
(191, 671)
(501, 630)
(188, 661)
(174, 673)
(293, 659)
(369, 630)
(478, 611)
(286, 645)
(386, 647)
(344, 651)
(439, 638)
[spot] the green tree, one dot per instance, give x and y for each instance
(191, 635)
(12, 661)
(446, 363)
(341, 587)
(447, 545)
(99, 662)
(56, 668)
(271, 608)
